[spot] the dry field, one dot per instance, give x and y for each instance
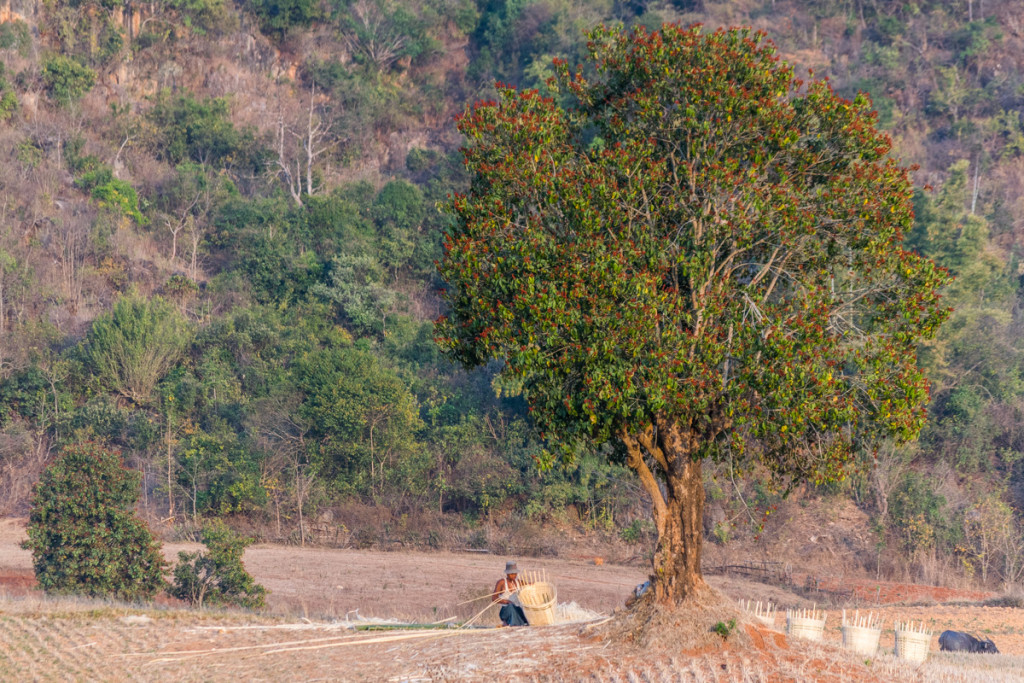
(318, 593)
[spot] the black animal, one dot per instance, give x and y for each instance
(958, 641)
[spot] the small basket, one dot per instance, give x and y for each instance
(538, 601)
(912, 643)
(805, 624)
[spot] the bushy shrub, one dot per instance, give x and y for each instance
(201, 131)
(8, 100)
(16, 35)
(203, 16)
(278, 17)
(83, 532)
(217, 576)
(133, 346)
(65, 79)
(113, 193)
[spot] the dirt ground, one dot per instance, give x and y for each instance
(318, 595)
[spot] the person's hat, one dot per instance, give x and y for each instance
(511, 568)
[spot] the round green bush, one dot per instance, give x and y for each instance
(83, 532)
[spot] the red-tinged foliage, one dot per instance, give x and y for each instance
(697, 256)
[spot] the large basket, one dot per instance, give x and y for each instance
(538, 601)
(912, 646)
(805, 628)
(861, 639)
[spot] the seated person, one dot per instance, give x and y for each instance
(506, 593)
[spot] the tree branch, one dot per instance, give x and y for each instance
(647, 479)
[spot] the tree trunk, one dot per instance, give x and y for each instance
(170, 471)
(677, 494)
(677, 574)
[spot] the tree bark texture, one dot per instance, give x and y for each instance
(663, 458)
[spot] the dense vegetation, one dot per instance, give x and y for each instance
(217, 255)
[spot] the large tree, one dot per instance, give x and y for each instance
(690, 252)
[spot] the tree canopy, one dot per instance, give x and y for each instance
(135, 344)
(83, 532)
(691, 252)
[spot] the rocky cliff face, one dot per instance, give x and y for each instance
(20, 10)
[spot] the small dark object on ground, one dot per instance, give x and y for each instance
(958, 641)
(637, 593)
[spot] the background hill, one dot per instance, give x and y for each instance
(218, 226)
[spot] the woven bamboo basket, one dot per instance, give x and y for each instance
(861, 634)
(912, 642)
(538, 601)
(861, 640)
(805, 624)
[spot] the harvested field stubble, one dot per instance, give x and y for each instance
(64, 639)
(184, 646)
(67, 639)
(80, 647)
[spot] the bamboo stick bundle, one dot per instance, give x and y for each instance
(535, 576)
(869, 621)
(812, 614)
(909, 627)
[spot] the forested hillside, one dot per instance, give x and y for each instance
(218, 230)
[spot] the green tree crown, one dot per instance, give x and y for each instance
(137, 343)
(689, 251)
(83, 532)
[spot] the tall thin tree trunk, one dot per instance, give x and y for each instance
(170, 471)
(2, 306)
(277, 510)
(310, 141)
(299, 495)
(974, 191)
(302, 524)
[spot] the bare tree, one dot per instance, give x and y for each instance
(1012, 548)
(988, 529)
(71, 245)
(7, 263)
(891, 462)
(280, 433)
(23, 453)
(198, 189)
(178, 225)
(316, 139)
(196, 233)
